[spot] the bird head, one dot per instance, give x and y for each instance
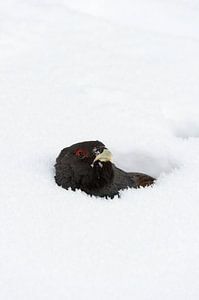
(87, 165)
(92, 153)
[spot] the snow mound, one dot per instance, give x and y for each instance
(70, 74)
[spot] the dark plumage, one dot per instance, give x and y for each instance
(87, 166)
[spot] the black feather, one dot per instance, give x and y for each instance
(98, 178)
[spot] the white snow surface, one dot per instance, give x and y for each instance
(125, 73)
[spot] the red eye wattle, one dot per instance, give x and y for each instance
(81, 153)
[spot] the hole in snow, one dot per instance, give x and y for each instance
(186, 130)
(149, 164)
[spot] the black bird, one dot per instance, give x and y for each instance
(87, 166)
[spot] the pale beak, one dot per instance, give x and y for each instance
(104, 156)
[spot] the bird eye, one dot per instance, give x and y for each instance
(81, 153)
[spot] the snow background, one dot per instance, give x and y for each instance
(125, 73)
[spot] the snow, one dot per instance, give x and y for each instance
(127, 75)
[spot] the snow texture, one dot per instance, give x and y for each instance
(125, 73)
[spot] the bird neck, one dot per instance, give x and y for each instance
(102, 174)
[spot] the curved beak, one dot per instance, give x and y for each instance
(104, 156)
